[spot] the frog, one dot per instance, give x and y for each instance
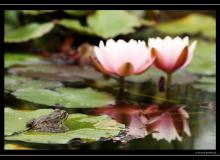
(53, 122)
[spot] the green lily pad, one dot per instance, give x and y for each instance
(15, 147)
(13, 83)
(207, 79)
(21, 59)
(204, 59)
(11, 20)
(179, 77)
(67, 97)
(75, 25)
(36, 12)
(78, 13)
(28, 32)
(87, 128)
(15, 120)
(206, 87)
(111, 23)
(191, 24)
(207, 84)
(122, 22)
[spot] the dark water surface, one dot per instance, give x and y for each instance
(187, 121)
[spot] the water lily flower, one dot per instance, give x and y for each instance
(123, 58)
(171, 54)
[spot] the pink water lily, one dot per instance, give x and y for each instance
(171, 54)
(123, 58)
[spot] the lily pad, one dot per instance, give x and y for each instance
(81, 126)
(36, 12)
(64, 73)
(111, 23)
(12, 83)
(11, 20)
(122, 22)
(204, 59)
(75, 25)
(179, 77)
(67, 97)
(78, 13)
(207, 79)
(205, 87)
(207, 84)
(20, 118)
(28, 32)
(21, 59)
(191, 24)
(15, 147)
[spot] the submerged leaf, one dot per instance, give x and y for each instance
(80, 126)
(28, 32)
(67, 97)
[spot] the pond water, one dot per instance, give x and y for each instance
(186, 120)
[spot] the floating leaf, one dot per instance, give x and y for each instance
(21, 59)
(78, 13)
(207, 84)
(11, 20)
(28, 32)
(191, 24)
(67, 97)
(15, 120)
(205, 87)
(111, 23)
(204, 59)
(64, 73)
(80, 126)
(106, 23)
(207, 79)
(15, 147)
(36, 12)
(183, 77)
(179, 77)
(12, 83)
(75, 25)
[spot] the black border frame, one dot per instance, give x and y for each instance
(104, 152)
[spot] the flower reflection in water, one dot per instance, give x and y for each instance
(163, 121)
(169, 122)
